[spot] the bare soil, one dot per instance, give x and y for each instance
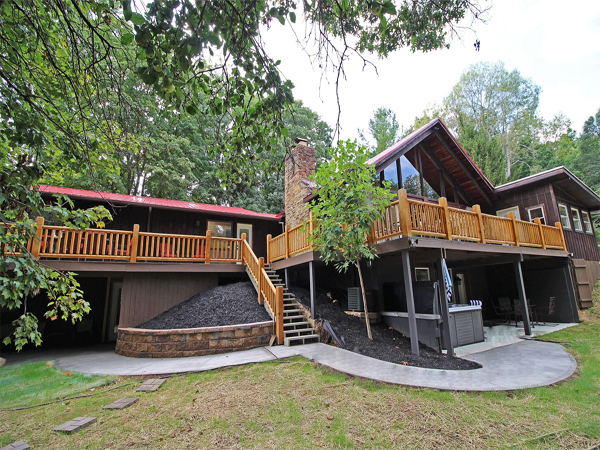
(387, 344)
(232, 304)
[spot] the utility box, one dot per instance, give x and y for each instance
(355, 302)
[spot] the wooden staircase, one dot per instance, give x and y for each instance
(297, 329)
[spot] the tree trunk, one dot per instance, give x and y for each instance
(364, 297)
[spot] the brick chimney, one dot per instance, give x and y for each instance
(299, 165)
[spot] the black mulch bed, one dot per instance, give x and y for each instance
(387, 344)
(231, 304)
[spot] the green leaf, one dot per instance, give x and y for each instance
(127, 38)
(213, 39)
(293, 16)
(127, 9)
(137, 18)
(281, 19)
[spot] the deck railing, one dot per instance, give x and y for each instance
(68, 243)
(266, 290)
(9, 249)
(408, 217)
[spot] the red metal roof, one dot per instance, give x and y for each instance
(156, 202)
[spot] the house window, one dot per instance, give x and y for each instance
(504, 212)
(537, 212)
(219, 229)
(421, 274)
(587, 223)
(576, 219)
(564, 217)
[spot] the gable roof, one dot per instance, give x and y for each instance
(440, 151)
(564, 179)
(82, 194)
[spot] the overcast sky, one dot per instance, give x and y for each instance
(554, 43)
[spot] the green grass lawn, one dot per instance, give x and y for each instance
(297, 404)
(36, 383)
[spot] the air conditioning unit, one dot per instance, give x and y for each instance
(355, 299)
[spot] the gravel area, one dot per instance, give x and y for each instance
(232, 304)
(387, 344)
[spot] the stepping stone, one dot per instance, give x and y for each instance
(151, 385)
(16, 446)
(75, 424)
(122, 403)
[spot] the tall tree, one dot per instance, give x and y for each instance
(500, 103)
(486, 152)
(264, 190)
(349, 201)
(383, 128)
(588, 162)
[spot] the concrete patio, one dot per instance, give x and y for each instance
(521, 365)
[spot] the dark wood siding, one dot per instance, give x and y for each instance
(536, 195)
(146, 295)
(183, 222)
(583, 245)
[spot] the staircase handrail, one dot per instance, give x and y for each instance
(266, 290)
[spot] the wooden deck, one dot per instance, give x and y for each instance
(467, 230)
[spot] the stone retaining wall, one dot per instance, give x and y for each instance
(141, 343)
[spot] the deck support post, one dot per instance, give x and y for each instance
(443, 202)
(269, 238)
(241, 247)
(311, 275)
(279, 314)
(444, 308)
(261, 266)
(134, 243)
(410, 303)
(399, 172)
(522, 297)
(287, 242)
(37, 240)
(404, 210)
(538, 222)
(477, 210)
(208, 245)
(511, 216)
(562, 235)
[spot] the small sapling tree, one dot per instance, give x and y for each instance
(349, 201)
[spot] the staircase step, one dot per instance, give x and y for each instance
(295, 325)
(288, 319)
(299, 340)
(291, 312)
(298, 332)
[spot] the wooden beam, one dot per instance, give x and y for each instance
(420, 168)
(311, 274)
(434, 159)
(408, 145)
(522, 298)
(410, 303)
(442, 184)
(463, 167)
(381, 177)
(399, 173)
(482, 262)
